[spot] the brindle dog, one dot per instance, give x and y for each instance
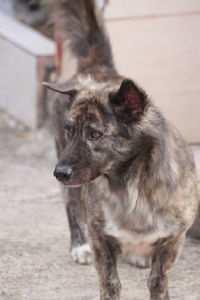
(129, 174)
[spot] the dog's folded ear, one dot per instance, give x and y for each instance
(130, 100)
(68, 88)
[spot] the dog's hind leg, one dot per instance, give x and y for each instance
(163, 259)
(79, 248)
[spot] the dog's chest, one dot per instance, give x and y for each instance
(132, 222)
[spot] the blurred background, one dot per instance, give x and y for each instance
(156, 43)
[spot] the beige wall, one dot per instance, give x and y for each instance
(157, 43)
(138, 8)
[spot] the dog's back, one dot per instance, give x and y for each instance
(82, 26)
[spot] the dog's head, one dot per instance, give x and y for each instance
(100, 129)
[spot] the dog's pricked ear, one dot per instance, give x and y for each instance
(129, 99)
(68, 88)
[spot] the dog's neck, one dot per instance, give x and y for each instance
(128, 171)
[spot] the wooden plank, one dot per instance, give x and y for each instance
(24, 60)
(18, 84)
(26, 38)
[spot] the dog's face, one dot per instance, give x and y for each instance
(99, 130)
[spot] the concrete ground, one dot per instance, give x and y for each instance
(34, 238)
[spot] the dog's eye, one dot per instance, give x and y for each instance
(68, 129)
(94, 135)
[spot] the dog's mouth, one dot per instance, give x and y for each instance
(75, 177)
(72, 185)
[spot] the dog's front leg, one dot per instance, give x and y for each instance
(104, 250)
(105, 261)
(163, 259)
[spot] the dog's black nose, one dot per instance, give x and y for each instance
(33, 4)
(62, 173)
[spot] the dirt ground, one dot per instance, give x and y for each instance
(34, 238)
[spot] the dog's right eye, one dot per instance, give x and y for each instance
(94, 135)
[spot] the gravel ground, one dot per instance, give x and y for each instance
(34, 238)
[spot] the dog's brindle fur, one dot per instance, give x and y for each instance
(129, 174)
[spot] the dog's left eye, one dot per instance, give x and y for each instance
(94, 135)
(68, 129)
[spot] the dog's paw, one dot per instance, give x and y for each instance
(81, 254)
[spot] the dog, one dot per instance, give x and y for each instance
(127, 174)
